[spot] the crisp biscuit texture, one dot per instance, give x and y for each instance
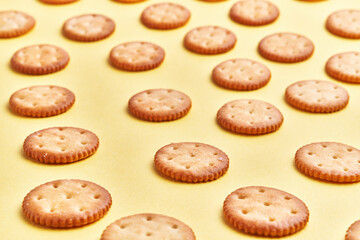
(210, 40)
(15, 24)
(88, 27)
(165, 16)
(191, 162)
(329, 161)
(265, 211)
(66, 203)
(58, 1)
(254, 12)
(137, 56)
(148, 226)
(248, 116)
(317, 96)
(60, 145)
(344, 67)
(286, 47)
(41, 101)
(241, 74)
(158, 105)
(344, 23)
(40, 59)
(353, 232)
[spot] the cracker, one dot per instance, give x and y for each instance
(344, 23)
(210, 40)
(329, 161)
(165, 16)
(40, 59)
(66, 203)
(254, 12)
(55, 2)
(148, 226)
(137, 56)
(241, 74)
(248, 116)
(60, 145)
(15, 24)
(88, 27)
(344, 67)
(191, 162)
(317, 96)
(265, 211)
(353, 232)
(158, 105)
(41, 101)
(286, 47)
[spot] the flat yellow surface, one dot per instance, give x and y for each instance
(123, 163)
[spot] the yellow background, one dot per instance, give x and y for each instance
(123, 163)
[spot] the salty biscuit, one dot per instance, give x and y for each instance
(15, 23)
(265, 211)
(241, 74)
(286, 47)
(344, 23)
(344, 67)
(41, 101)
(58, 1)
(148, 226)
(210, 40)
(191, 162)
(329, 161)
(158, 105)
(353, 232)
(254, 12)
(248, 116)
(137, 56)
(60, 145)
(88, 27)
(39, 59)
(317, 96)
(165, 16)
(66, 203)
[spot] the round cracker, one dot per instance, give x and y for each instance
(159, 105)
(15, 24)
(254, 12)
(344, 23)
(329, 161)
(137, 56)
(148, 226)
(353, 232)
(88, 27)
(265, 211)
(248, 116)
(286, 47)
(165, 16)
(40, 59)
(317, 96)
(60, 145)
(66, 203)
(41, 101)
(344, 67)
(191, 162)
(210, 40)
(241, 74)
